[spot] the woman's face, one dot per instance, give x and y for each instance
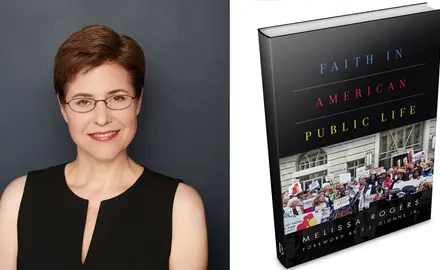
(416, 174)
(88, 130)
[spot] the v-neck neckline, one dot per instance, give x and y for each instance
(93, 236)
(86, 203)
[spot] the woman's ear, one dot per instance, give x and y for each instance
(62, 108)
(139, 103)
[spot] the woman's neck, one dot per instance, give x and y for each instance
(90, 173)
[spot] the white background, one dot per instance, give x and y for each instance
(252, 235)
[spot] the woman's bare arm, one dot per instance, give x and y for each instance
(9, 206)
(189, 249)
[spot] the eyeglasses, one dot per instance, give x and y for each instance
(83, 105)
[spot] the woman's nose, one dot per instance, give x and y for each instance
(102, 113)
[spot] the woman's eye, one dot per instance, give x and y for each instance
(118, 99)
(83, 102)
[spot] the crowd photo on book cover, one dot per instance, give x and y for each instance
(342, 179)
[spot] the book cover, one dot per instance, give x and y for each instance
(351, 105)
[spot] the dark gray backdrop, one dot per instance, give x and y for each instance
(184, 124)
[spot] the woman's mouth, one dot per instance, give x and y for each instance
(104, 136)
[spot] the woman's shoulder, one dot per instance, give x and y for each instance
(46, 170)
(160, 183)
(189, 232)
(14, 190)
(45, 175)
(11, 197)
(187, 198)
(160, 178)
(16, 186)
(184, 193)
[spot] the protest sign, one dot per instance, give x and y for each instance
(410, 155)
(362, 172)
(419, 157)
(291, 222)
(295, 189)
(309, 220)
(378, 170)
(326, 212)
(314, 184)
(344, 178)
(288, 210)
(308, 203)
(405, 161)
(329, 177)
(341, 202)
(300, 222)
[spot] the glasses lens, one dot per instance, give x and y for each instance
(82, 104)
(119, 102)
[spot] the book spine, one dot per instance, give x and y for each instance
(272, 143)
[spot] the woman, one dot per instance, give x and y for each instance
(424, 185)
(320, 202)
(427, 170)
(296, 206)
(373, 182)
(416, 174)
(388, 182)
(102, 210)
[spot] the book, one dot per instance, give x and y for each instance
(350, 107)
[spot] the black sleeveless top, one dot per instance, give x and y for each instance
(132, 231)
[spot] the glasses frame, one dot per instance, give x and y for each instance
(96, 102)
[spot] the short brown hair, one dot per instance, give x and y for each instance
(92, 46)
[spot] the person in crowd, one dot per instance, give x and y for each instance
(373, 179)
(391, 173)
(331, 193)
(416, 174)
(345, 210)
(380, 192)
(401, 175)
(341, 192)
(410, 170)
(296, 206)
(301, 196)
(388, 182)
(373, 182)
(424, 185)
(427, 169)
(320, 202)
(382, 177)
(285, 201)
